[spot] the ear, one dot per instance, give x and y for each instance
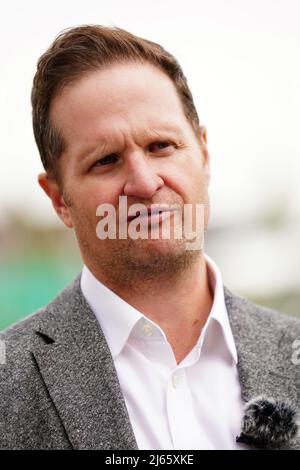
(53, 191)
(203, 135)
(205, 153)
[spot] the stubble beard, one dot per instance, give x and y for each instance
(139, 265)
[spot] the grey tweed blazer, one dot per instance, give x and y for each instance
(59, 388)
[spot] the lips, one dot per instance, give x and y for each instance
(151, 212)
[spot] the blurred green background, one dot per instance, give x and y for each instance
(36, 264)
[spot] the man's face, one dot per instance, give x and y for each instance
(126, 134)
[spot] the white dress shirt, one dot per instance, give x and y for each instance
(196, 404)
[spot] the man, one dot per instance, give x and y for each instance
(146, 349)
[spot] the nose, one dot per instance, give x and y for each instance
(141, 179)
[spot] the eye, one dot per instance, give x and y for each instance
(159, 146)
(108, 160)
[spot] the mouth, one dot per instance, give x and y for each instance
(155, 214)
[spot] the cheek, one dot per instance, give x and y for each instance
(188, 178)
(95, 192)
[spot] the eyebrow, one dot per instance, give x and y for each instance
(175, 131)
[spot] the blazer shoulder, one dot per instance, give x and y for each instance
(21, 329)
(261, 316)
(20, 337)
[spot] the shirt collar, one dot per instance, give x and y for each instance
(119, 320)
(219, 311)
(116, 317)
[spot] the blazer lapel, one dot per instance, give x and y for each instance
(264, 361)
(78, 370)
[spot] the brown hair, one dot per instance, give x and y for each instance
(82, 49)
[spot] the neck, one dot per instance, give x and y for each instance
(180, 306)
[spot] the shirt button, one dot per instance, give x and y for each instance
(175, 380)
(148, 330)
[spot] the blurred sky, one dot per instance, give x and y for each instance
(241, 59)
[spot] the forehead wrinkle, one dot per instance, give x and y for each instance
(143, 135)
(123, 138)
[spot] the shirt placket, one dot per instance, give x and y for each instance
(184, 428)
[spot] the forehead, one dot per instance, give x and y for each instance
(121, 98)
